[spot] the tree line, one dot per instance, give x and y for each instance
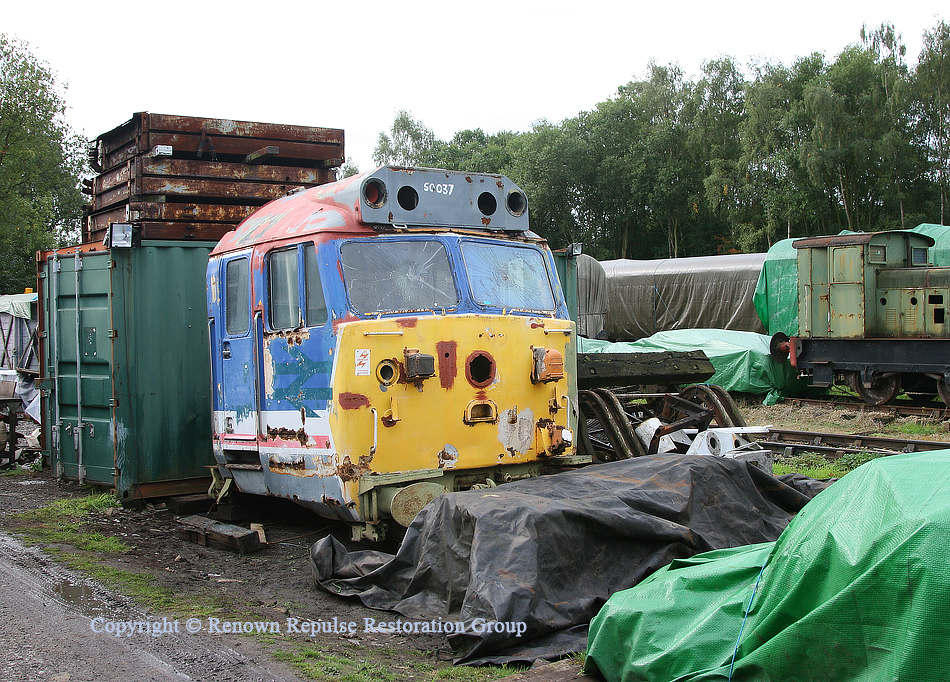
(41, 162)
(731, 161)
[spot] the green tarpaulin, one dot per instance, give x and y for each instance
(741, 359)
(776, 293)
(856, 588)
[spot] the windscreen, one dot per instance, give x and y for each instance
(507, 276)
(390, 276)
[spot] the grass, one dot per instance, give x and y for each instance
(61, 522)
(349, 665)
(60, 526)
(814, 465)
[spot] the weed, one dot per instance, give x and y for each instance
(810, 464)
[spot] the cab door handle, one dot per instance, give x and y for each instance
(226, 350)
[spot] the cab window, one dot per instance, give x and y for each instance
(294, 303)
(237, 297)
(394, 276)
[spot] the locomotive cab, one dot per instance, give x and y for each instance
(387, 338)
(872, 315)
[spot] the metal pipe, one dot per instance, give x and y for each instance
(81, 474)
(52, 307)
(372, 450)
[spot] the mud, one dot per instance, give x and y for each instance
(272, 585)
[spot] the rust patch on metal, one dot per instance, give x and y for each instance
(279, 466)
(283, 433)
(448, 457)
(353, 401)
(388, 421)
(486, 221)
(537, 325)
(347, 471)
(292, 336)
(330, 502)
(448, 368)
(558, 444)
(407, 321)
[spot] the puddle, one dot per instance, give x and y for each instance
(80, 596)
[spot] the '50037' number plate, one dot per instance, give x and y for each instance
(445, 189)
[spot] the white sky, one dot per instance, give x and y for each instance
(348, 64)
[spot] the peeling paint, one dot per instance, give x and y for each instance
(353, 401)
(448, 457)
(516, 429)
(287, 434)
(347, 471)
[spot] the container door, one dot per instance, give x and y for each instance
(236, 416)
(78, 359)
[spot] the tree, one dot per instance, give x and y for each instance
(932, 81)
(409, 143)
(40, 165)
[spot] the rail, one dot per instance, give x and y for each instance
(833, 446)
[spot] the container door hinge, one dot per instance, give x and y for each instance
(113, 402)
(113, 334)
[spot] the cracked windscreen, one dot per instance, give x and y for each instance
(507, 276)
(390, 276)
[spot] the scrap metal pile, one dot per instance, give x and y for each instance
(640, 418)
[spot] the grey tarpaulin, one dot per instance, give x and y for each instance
(549, 551)
(649, 296)
(591, 296)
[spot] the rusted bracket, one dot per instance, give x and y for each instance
(261, 155)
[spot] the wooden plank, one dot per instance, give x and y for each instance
(199, 503)
(602, 370)
(210, 533)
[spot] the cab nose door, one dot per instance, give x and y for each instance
(237, 404)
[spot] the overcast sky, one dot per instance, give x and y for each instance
(453, 65)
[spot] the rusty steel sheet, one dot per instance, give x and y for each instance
(237, 172)
(147, 122)
(215, 170)
(146, 130)
(175, 212)
(169, 230)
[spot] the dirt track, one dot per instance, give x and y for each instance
(272, 585)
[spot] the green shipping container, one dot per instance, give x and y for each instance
(126, 374)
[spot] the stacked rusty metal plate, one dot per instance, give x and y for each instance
(182, 177)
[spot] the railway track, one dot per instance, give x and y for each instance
(832, 446)
(934, 411)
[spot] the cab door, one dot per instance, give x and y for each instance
(236, 363)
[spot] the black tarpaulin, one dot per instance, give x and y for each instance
(547, 552)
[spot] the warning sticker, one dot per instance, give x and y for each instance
(362, 362)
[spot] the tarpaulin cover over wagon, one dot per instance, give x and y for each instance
(548, 551)
(856, 588)
(741, 359)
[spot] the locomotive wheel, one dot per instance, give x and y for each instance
(943, 391)
(882, 390)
